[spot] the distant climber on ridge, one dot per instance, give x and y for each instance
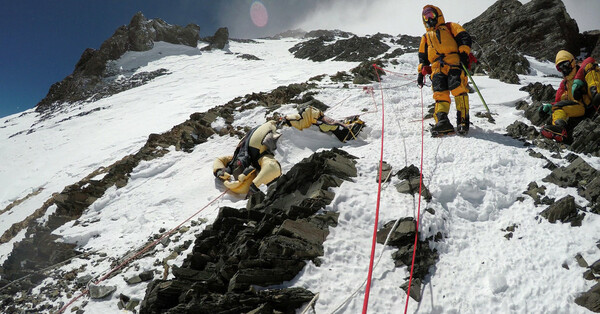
(442, 50)
(577, 96)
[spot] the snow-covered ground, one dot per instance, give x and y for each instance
(475, 182)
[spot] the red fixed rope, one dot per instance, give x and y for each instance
(86, 291)
(412, 266)
(368, 288)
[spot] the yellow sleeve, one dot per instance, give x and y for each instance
(269, 170)
(463, 39)
(220, 163)
(309, 116)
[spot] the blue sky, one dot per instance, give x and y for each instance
(41, 41)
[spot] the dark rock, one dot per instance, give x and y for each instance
(540, 92)
(411, 182)
(342, 77)
(425, 257)
(415, 289)
(536, 192)
(404, 234)
(578, 174)
(263, 245)
(586, 137)
(294, 33)
(520, 130)
(403, 237)
(386, 170)
(329, 34)
(249, 57)
(590, 299)
(562, 210)
(591, 42)
(589, 275)
(355, 49)
(90, 70)
(162, 295)
(365, 73)
(101, 292)
(596, 267)
(581, 261)
(219, 40)
(509, 29)
(147, 275)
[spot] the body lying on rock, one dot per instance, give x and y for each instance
(253, 162)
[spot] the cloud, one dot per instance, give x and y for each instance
(369, 16)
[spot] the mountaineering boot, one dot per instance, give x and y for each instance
(443, 125)
(462, 125)
(344, 130)
(557, 132)
(462, 113)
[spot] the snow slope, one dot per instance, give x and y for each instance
(475, 182)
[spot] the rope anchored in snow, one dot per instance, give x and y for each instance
(374, 242)
(139, 253)
(412, 265)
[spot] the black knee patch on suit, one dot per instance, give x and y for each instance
(439, 82)
(454, 80)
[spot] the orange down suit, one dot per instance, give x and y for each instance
(440, 47)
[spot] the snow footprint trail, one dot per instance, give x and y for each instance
(473, 212)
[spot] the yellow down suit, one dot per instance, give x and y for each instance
(441, 48)
(253, 161)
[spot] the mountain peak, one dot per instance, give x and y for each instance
(140, 35)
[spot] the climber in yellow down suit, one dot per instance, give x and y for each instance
(253, 162)
(444, 48)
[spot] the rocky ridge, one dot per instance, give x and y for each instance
(263, 245)
(585, 139)
(89, 78)
(35, 258)
(508, 30)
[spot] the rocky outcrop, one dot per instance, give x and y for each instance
(509, 29)
(263, 245)
(586, 137)
(410, 182)
(591, 42)
(564, 210)
(88, 76)
(579, 174)
(354, 49)
(219, 40)
(365, 73)
(584, 132)
(590, 299)
(33, 256)
(401, 234)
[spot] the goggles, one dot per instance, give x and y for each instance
(564, 67)
(428, 14)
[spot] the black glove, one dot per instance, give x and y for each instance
(464, 59)
(420, 80)
(219, 173)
